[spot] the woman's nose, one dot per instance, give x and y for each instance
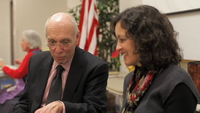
(118, 47)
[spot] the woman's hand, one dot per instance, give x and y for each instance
(1, 64)
(18, 61)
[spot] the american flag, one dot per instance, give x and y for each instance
(88, 26)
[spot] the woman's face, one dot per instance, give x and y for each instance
(126, 47)
(24, 45)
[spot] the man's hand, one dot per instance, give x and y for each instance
(53, 107)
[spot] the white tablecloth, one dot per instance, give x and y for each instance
(2, 74)
(5, 79)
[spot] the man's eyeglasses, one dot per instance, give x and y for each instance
(52, 44)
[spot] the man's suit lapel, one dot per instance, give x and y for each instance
(43, 75)
(74, 76)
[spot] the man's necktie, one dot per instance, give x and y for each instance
(55, 91)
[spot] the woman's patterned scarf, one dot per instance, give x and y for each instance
(137, 86)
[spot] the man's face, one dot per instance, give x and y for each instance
(62, 42)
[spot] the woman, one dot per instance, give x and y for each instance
(147, 40)
(31, 43)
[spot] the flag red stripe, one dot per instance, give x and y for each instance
(89, 5)
(91, 32)
(88, 26)
(81, 17)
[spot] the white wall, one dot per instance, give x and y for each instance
(172, 6)
(123, 4)
(32, 14)
(5, 47)
(73, 3)
(187, 24)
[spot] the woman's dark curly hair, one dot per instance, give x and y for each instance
(153, 35)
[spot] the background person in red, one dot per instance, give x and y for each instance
(31, 43)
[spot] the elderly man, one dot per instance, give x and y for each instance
(83, 76)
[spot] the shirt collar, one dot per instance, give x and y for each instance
(65, 65)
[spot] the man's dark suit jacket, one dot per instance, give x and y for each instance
(85, 90)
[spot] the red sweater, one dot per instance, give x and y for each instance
(22, 70)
